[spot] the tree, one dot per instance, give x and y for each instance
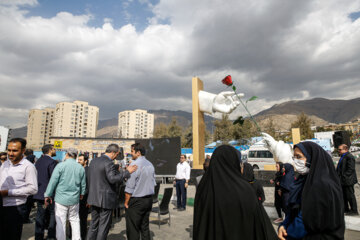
(174, 130)
(160, 130)
(223, 129)
(244, 131)
(304, 123)
(187, 140)
(270, 128)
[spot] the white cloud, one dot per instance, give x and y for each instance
(277, 50)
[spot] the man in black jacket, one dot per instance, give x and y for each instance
(347, 174)
(45, 166)
(102, 179)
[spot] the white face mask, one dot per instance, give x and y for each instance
(300, 166)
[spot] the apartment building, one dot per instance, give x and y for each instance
(40, 127)
(75, 119)
(135, 124)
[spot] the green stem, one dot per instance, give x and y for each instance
(252, 118)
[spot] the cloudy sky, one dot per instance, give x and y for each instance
(130, 54)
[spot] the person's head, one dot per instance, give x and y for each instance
(49, 149)
(302, 159)
(278, 167)
(207, 156)
(28, 152)
(137, 150)
(112, 151)
(3, 157)
(247, 172)
(206, 164)
(71, 153)
(16, 149)
(182, 158)
(343, 148)
(83, 159)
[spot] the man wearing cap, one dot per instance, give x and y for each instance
(68, 181)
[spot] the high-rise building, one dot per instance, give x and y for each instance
(136, 124)
(40, 127)
(75, 119)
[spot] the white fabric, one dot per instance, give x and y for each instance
(61, 214)
(183, 171)
(21, 181)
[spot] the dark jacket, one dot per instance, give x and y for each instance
(102, 179)
(346, 170)
(45, 166)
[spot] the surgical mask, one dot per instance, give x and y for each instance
(300, 166)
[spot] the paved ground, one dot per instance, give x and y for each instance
(181, 222)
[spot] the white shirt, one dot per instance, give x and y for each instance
(21, 181)
(183, 171)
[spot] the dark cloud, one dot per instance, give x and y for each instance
(277, 50)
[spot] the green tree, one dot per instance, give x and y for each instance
(304, 123)
(223, 129)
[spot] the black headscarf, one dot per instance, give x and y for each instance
(225, 204)
(320, 195)
(279, 173)
(288, 178)
(248, 172)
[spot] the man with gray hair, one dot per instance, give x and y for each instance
(68, 181)
(102, 179)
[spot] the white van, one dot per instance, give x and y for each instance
(259, 156)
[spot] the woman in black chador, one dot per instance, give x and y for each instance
(247, 173)
(226, 206)
(316, 209)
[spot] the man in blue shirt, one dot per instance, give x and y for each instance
(68, 181)
(138, 195)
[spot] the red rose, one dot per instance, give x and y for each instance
(227, 80)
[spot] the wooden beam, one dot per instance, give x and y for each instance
(198, 125)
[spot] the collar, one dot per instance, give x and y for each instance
(72, 159)
(141, 157)
(19, 163)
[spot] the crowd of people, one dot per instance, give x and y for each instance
(311, 195)
(70, 189)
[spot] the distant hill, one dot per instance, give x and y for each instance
(320, 110)
(332, 111)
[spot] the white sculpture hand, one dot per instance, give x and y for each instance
(224, 102)
(281, 151)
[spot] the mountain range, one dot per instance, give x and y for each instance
(320, 110)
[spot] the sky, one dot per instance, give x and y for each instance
(123, 55)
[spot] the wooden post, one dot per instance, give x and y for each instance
(198, 125)
(296, 135)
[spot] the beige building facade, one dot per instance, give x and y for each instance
(75, 119)
(135, 124)
(95, 146)
(40, 127)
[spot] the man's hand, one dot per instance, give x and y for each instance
(279, 192)
(81, 197)
(126, 205)
(186, 185)
(4, 193)
(88, 205)
(282, 233)
(271, 181)
(48, 201)
(131, 168)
